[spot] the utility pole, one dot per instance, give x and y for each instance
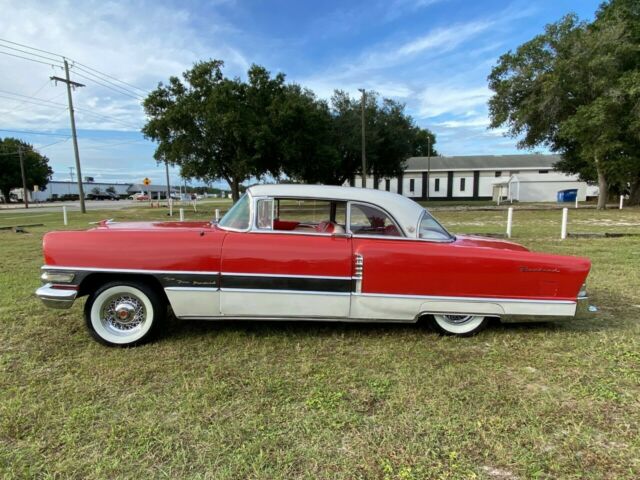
(71, 84)
(428, 164)
(364, 153)
(71, 175)
(25, 198)
(166, 166)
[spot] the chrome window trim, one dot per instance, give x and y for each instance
(254, 225)
(403, 234)
(255, 228)
(128, 270)
(251, 215)
(290, 232)
(451, 239)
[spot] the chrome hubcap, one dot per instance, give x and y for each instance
(123, 313)
(457, 319)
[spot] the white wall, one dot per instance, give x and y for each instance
(485, 185)
(417, 189)
(468, 188)
(541, 191)
(432, 185)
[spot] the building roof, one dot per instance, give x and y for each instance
(482, 162)
(404, 210)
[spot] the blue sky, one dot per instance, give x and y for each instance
(433, 55)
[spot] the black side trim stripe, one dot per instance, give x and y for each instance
(287, 283)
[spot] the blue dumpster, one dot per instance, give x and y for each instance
(568, 195)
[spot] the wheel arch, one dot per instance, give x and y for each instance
(93, 281)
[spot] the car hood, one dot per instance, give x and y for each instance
(485, 242)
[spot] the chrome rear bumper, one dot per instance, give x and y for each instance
(56, 297)
(584, 309)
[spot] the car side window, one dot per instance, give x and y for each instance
(264, 217)
(368, 220)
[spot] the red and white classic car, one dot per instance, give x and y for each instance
(305, 252)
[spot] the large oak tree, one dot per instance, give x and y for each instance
(214, 127)
(571, 89)
(217, 128)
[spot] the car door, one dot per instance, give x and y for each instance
(378, 246)
(285, 274)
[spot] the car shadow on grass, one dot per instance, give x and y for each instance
(305, 329)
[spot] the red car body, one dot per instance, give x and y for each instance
(322, 270)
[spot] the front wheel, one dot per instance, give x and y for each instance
(124, 313)
(460, 325)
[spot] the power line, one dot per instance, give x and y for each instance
(78, 67)
(47, 103)
(36, 101)
(31, 48)
(108, 86)
(54, 143)
(103, 79)
(34, 133)
(109, 118)
(30, 59)
(29, 53)
(111, 77)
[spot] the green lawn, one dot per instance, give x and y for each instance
(303, 400)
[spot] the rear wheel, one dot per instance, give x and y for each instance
(124, 313)
(460, 325)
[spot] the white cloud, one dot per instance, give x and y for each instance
(138, 42)
(436, 100)
(442, 39)
(467, 122)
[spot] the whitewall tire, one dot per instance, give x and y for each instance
(124, 313)
(460, 325)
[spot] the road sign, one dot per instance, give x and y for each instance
(146, 181)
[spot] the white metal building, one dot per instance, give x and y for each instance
(526, 178)
(56, 189)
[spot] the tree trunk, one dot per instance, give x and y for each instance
(634, 196)
(235, 189)
(603, 186)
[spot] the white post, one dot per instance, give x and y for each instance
(195, 205)
(621, 201)
(565, 216)
(576, 201)
(217, 214)
(509, 221)
(182, 214)
(64, 215)
(170, 207)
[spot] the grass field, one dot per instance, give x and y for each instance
(303, 400)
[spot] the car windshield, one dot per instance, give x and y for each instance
(237, 218)
(430, 229)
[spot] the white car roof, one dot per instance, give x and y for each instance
(404, 210)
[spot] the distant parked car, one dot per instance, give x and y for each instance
(102, 196)
(139, 196)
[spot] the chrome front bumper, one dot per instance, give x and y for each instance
(56, 297)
